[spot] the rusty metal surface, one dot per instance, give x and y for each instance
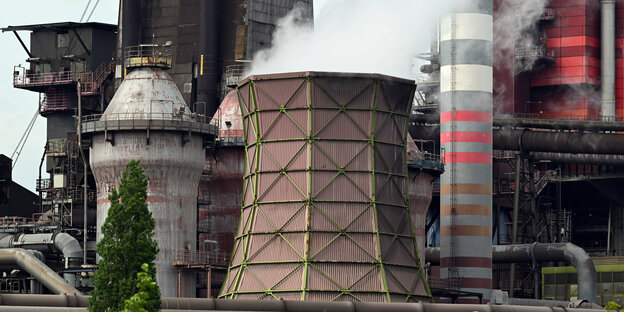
(172, 164)
(148, 92)
(325, 195)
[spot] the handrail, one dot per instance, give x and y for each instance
(201, 257)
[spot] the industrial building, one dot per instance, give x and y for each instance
(495, 178)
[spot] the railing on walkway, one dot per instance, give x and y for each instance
(200, 257)
(447, 283)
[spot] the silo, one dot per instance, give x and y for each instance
(149, 121)
(325, 213)
(466, 138)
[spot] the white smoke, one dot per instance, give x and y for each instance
(354, 36)
(516, 27)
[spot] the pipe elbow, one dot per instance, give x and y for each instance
(67, 245)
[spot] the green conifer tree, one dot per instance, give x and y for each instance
(127, 244)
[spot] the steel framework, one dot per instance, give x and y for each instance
(325, 213)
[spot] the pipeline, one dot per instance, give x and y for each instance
(544, 141)
(49, 302)
(62, 243)
(208, 51)
(37, 269)
(582, 304)
(587, 159)
(538, 123)
(607, 79)
(537, 253)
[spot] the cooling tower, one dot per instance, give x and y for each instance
(466, 138)
(148, 120)
(325, 213)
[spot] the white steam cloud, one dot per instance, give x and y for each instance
(516, 28)
(368, 36)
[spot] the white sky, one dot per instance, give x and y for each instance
(18, 106)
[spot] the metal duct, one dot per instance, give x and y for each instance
(208, 45)
(62, 243)
(582, 304)
(466, 80)
(531, 122)
(537, 253)
(37, 269)
(608, 60)
(546, 141)
(186, 304)
(559, 142)
(587, 159)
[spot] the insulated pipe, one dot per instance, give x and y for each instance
(186, 304)
(37, 269)
(62, 243)
(607, 83)
(538, 253)
(466, 82)
(588, 159)
(582, 304)
(208, 45)
(559, 142)
(546, 141)
(540, 123)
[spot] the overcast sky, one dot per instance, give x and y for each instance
(18, 106)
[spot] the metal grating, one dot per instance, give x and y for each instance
(325, 213)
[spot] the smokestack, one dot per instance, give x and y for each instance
(608, 60)
(130, 24)
(466, 138)
(208, 45)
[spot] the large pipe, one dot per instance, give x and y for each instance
(37, 269)
(62, 243)
(538, 253)
(544, 141)
(559, 142)
(185, 304)
(466, 104)
(582, 304)
(537, 123)
(208, 45)
(587, 159)
(607, 83)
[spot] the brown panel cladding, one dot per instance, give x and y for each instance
(483, 189)
(464, 209)
(466, 230)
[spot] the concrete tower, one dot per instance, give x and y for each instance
(325, 213)
(466, 138)
(148, 120)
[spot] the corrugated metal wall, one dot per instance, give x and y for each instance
(325, 201)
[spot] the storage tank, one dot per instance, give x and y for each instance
(325, 213)
(149, 121)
